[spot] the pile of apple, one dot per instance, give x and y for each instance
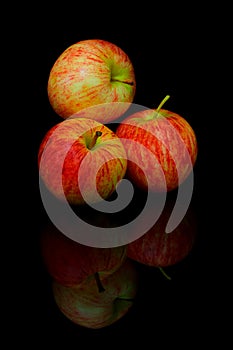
(82, 161)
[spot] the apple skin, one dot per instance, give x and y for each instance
(91, 72)
(162, 172)
(86, 306)
(160, 249)
(70, 263)
(60, 160)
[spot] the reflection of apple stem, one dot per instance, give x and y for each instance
(125, 299)
(93, 141)
(164, 273)
(98, 282)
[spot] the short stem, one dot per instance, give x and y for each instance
(93, 141)
(98, 282)
(164, 273)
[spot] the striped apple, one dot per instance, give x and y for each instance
(70, 263)
(88, 73)
(96, 307)
(157, 248)
(81, 160)
(169, 152)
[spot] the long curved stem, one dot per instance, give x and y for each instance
(164, 273)
(156, 111)
(162, 103)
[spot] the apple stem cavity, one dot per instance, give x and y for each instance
(164, 273)
(98, 282)
(93, 141)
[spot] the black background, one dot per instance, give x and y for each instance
(173, 53)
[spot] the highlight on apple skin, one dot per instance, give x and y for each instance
(81, 160)
(170, 148)
(70, 263)
(99, 303)
(91, 72)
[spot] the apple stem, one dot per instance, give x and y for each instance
(154, 115)
(98, 282)
(93, 141)
(162, 103)
(164, 273)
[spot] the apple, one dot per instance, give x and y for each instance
(81, 161)
(70, 263)
(161, 249)
(169, 149)
(97, 305)
(91, 72)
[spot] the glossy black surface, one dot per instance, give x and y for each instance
(167, 60)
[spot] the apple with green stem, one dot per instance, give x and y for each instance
(70, 263)
(81, 161)
(96, 304)
(91, 72)
(169, 152)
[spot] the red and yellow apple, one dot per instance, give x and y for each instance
(168, 149)
(161, 249)
(91, 72)
(97, 305)
(81, 161)
(70, 263)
